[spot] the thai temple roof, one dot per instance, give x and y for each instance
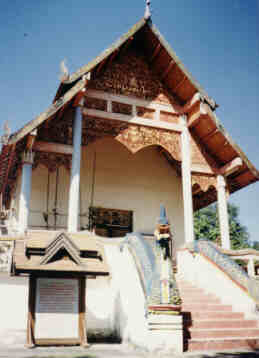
(204, 126)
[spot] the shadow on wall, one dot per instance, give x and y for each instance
(100, 333)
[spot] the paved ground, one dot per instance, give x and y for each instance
(108, 351)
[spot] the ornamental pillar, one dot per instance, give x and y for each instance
(25, 194)
(187, 182)
(73, 204)
(223, 212)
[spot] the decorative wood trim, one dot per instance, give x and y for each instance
(50, 111)
(50, 147)
(101, 64)
(204, 182)
(31, 139)
(30, 340)
(209, 135)
(10, 161)
(129, 100)
(78, 98)
(231, 167)
(126, 45)
(169, 67)
(195, 117)
(203, 169)
(180, 84)
(112, 57)
(133, 120)
(156, 52)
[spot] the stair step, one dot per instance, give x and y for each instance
(197, 307)
(212, 325)
(201, 300)
(222, 344)
(224, 333)
(223, 324)
(201, 315)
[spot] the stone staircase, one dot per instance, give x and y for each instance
(211, 325)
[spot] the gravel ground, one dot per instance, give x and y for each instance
(108, 351)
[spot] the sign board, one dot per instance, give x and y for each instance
(57, 308)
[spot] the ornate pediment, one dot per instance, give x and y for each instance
(130, 75)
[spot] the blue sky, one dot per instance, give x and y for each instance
(216, 40)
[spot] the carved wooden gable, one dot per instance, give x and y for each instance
(130, 75)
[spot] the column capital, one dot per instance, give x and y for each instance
(28, 157)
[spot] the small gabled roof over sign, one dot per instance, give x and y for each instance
(61, 242)
(59, 252)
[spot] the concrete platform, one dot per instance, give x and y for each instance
(111, 351)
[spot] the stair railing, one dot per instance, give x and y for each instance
(227, 265)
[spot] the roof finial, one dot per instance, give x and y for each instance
(7, 131)
(147, 14)
(64, 71)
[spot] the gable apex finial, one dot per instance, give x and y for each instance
(147, 14)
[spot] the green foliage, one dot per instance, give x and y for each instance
(206, 226)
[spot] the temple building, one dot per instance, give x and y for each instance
(128, 131)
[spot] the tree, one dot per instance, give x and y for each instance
(206, 226)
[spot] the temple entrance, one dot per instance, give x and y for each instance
(110, 222)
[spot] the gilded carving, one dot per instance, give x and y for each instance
(138, 137)
(130, 75)
(204, 181)
(197, 156)
(132, 136)
(52, 160)
(94, 128)
(147, 113)
(96, 103)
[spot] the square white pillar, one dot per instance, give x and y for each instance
(187, 183)
(223, 212)
(73, 204)
(25, 194)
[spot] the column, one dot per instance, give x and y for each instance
(187, 182)
(73, 203)
(25, 194)
(251, 267)
(223, 212)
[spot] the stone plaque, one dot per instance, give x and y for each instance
(57, 308)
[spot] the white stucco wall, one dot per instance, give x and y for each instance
(138, 182)
(118, 180)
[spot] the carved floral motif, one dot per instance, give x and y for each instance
(94, 129)
(138, 137)
(132, 136)
(52, 161)
(204, 181)
(197, 156)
